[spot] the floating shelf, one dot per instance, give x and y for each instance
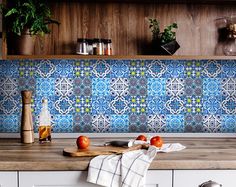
(15, 57)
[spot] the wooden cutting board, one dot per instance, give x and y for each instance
(98, 150)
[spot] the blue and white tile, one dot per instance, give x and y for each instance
(120, 123)
(45, 87)
(212, 123)
(229, 105)
(63, 124)
(9, 123)
(8, 86)
(45, 68)
(228, 123)
(212, 105)
(156, 123)
(175, 87)
(228, 86)
(228, 68)
(63, 86)
(9, 68)
(211, 87)
(9, 105)
(212, 69)
(175, 105)
(100, 105)
(101, 86)
(120, 68)
(119, 86)
(156, 68)
(101, 123)
(64, 105)
(175, 68)
(156, 87)
(120, 105)
(101, 69)
(175, 123)
(156, 105)
(64, 68)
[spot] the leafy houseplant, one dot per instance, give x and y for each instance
(27, 18)
(163, 43)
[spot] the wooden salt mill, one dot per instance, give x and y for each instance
(27, 131)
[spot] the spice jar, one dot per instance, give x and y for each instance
(98, 46)
(108, 47)
(82, 46)
(90, 46)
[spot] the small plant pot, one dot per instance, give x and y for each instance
(21, 45)
(165, 49)
(25, 44)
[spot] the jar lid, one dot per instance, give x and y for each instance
(97, 40)
(90, 41)
(81, 40)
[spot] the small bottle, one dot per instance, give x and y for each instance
(107, 47)
(45, 123)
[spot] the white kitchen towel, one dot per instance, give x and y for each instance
(126, 170)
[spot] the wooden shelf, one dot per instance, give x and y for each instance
(126, 24)
(159, 1)
(174, 57)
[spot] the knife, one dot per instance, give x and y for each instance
(117, 143)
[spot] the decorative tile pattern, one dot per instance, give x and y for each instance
(122, 96)
(101, 123)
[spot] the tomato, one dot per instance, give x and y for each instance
(156, 141)
(142, 137)
(82, 142)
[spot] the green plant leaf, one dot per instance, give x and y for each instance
(32, 14)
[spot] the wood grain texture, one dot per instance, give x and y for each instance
(125, 23)
(201, 153)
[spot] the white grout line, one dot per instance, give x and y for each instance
(126, 135)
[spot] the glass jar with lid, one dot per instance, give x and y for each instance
(108, 47)
(82, 46)
(90, 46)
(98, 47)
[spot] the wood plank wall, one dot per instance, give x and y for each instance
(125, 24)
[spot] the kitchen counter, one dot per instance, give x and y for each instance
(201, 153)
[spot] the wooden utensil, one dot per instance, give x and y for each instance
(99, 150)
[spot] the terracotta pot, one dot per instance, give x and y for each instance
(24, 44)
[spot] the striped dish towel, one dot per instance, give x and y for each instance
(126, 170)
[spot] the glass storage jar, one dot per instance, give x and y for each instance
(82, 46)
(107, 47)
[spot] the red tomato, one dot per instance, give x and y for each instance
(156, 141)
(82, 142)
(142, 137)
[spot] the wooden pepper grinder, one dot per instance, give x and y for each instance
(27, 132)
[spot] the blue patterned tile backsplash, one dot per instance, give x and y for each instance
(123, 96)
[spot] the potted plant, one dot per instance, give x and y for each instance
(24, 19)
(163, 43)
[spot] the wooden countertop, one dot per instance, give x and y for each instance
(201, 153)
